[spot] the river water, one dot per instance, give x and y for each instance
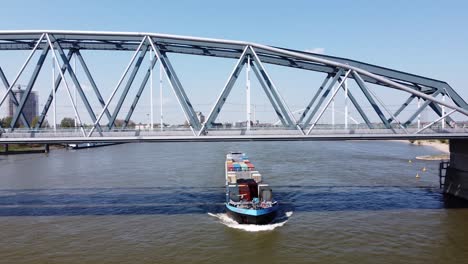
(341, 202)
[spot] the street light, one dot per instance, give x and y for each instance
(149, 121)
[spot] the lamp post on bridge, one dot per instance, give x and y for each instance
(419, 115)
(333, 108)
(151, 89)
(148, 121)
(55, 97)
(249, 114)
(443, 112)
(161, 95)
(74, 89)
(346, 104)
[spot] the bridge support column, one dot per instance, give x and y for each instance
(456, 180)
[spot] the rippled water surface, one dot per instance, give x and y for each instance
(341, 202)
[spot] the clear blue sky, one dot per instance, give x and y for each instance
(428, 38)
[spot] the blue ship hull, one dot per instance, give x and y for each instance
(252, 216)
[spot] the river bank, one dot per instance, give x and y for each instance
(441, 146)
(13, 149)
(435, 144)
(438, 145)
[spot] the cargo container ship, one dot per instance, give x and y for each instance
(248, 199)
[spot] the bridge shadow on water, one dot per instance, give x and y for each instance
(201, 200)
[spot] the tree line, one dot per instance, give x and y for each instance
(66, 122)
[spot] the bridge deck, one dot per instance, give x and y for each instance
(19, 137)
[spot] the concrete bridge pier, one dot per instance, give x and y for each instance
(456, 179)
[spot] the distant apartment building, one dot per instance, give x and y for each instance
(31, 108)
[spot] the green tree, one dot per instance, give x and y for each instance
(121, 122)
(67, 122)
(34, 121)
(6, 121)
(45, 123)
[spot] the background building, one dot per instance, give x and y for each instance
(31, 108)
(201, 117)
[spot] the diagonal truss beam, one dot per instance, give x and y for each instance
(435, 121)
(423, 106)
(364, 89)
(456, 98)
(39, 41)
(179, 92)
(129, 83)
(402, 107)
(140, 91)
(390, 113)
(359, 109)
(437, 109)
(319, 91)
(328, 102)
(324, 96)
(91, 81)
(269, 95)
(357, 106)
(288, 116)
(54, 56)
(29, 87)
(71, 73)
(225, 92)
(230, 83)
(271, 88)
(117, 86)
(13, 98)
(48, 103)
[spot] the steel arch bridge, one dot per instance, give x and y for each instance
(61, 46)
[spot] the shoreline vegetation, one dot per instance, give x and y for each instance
(11, 149)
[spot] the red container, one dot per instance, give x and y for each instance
(244, 192)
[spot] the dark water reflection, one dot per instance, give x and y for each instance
(203, 200)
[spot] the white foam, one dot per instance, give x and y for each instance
(227, 221)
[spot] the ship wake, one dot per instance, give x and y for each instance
(277, 222)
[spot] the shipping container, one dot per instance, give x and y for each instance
(244, 167)
(244, 192)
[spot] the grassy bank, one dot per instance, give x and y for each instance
(25, 148)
